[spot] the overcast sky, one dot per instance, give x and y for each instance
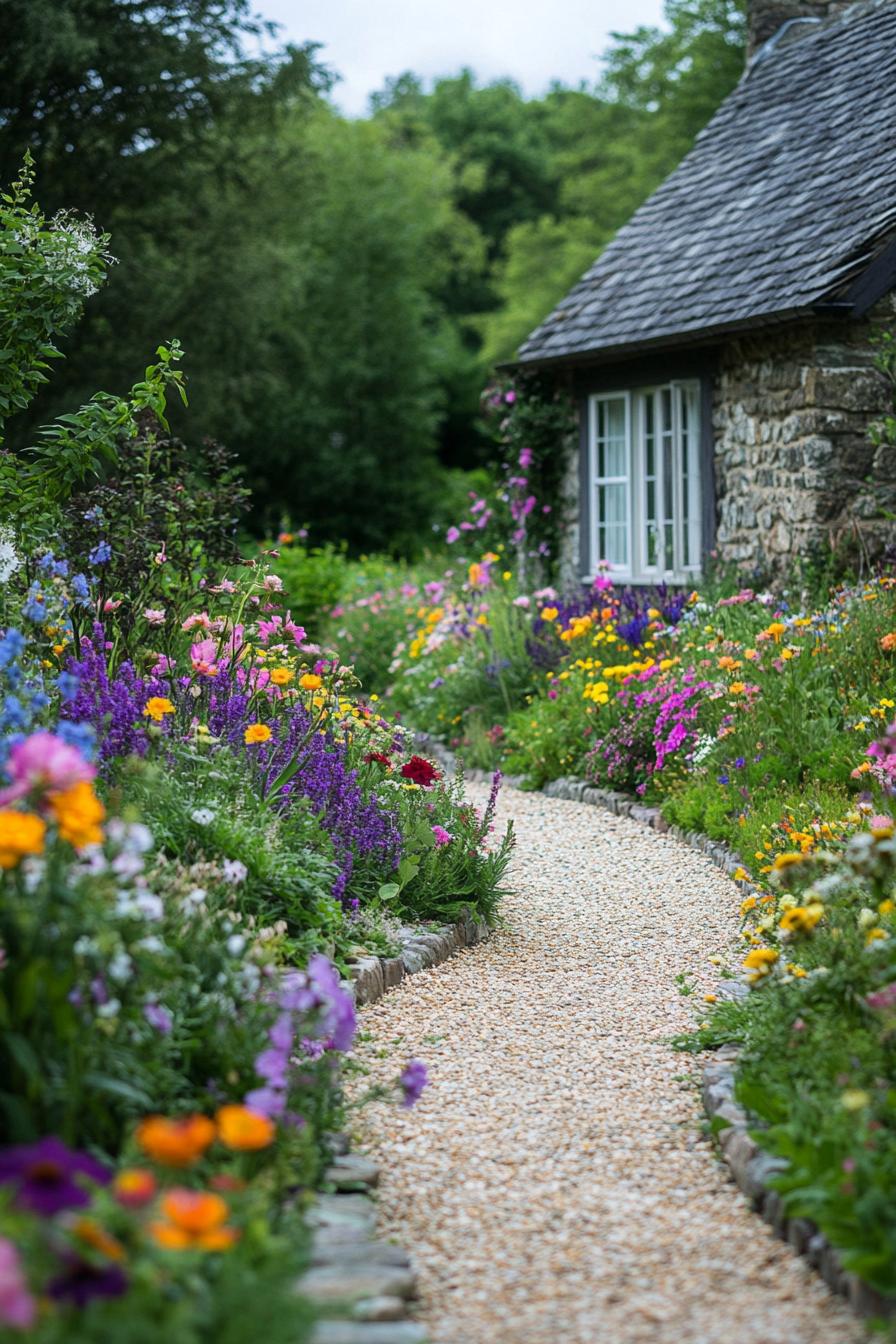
(532, 41)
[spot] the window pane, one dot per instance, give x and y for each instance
(668, 488)
(612, 448)
(690, 476)
(613, 524)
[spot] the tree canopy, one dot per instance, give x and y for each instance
(341, 288)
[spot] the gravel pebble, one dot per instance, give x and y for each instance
(554, 1182)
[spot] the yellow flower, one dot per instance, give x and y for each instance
(549, 613)
(886, 907)
(783, 861)
(78, 814)
(21, 833)
(776, 630)
(256, 732)
(740, 875)
(311, 682)
(737, 687)
(748, 905)
(281, 676)
(854, 1099)
(801, 918)
(760, 961)
(710, 998)
(156, 707)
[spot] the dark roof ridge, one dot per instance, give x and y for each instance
(794, 176)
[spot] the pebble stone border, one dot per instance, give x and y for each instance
(750, 1167)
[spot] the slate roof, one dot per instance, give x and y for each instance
(787, 195)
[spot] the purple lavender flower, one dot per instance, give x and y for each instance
(44, 1173)
(413, 1080)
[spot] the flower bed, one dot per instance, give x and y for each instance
(204, 827)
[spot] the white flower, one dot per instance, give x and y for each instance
(127, 864)
(236, 944)
(10, 559)
(232, 870)
(149, 905)
(84, 946)
(120, 968)
(203, 816)
(195, 899)
(151, 944)
(109, 1009)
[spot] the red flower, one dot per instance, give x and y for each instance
(420, 771)
(379, 756)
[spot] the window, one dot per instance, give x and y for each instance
(644, 480)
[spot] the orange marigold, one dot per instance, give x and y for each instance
(195, 1220)
(175, 1143)
(21, 833)
(78, 814)
(243, 1129)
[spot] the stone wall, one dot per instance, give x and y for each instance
(796, 473)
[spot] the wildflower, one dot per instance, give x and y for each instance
(195, 1219)
(202, 658)
(760, 961)
(233, 871)
(158, 1018)
(281, 676)
(888, 643)
(801, 919)
(784, 861)
(442, 836)
(134, 1187)
(310, 681)
(549, 613)
(379, 756)
(18, 1308)
(854, 1099)
(776, 630)
(737, 687)
(78, 813)
(21, 833)
(256, 732)
(203, 816)
(272, 583)
(413, 1080)
(243, 1129)
(154, 616)
(175, 1143)
(748, 905)
(156, 707)
(740, 875)
(82, 1281)
(44, 761)
(44, 1174)
(420, 771)
(452, 535)
(101, 554)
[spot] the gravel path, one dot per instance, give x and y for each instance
(553, 1182)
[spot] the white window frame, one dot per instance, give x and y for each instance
(679, 560)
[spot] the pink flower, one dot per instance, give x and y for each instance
(202, 656)
(160, 557)
(225, 586)
(452, 535)
(200, 619)
(881, 1000)
(18, 1308)
(442, 836)
(44, 761)
(163, 666)
(272, 583)
(154, 616)
(525, 458)
(521, 602)
(111, 605)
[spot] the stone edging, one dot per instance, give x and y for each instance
(360, 1286)
(421, 948)
(751, 1168)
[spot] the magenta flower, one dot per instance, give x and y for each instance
(18, 1308)
(202, 656)
(44, 761)
(452, 535)
(442, 836)
(44, 1173)
(881, 1000)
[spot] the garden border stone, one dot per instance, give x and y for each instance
(750, 1167)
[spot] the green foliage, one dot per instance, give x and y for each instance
(47, 270)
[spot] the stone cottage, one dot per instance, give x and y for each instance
(720, 347)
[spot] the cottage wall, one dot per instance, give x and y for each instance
(795, 470)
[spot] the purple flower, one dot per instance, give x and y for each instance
(273, 1066)
(442, 836)
(413, 1081)
(44, 1173)
(81, 1282)
(101, 553)
(267, 1101)
(158, 1018)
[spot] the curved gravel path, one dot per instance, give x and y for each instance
(553, 1183)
